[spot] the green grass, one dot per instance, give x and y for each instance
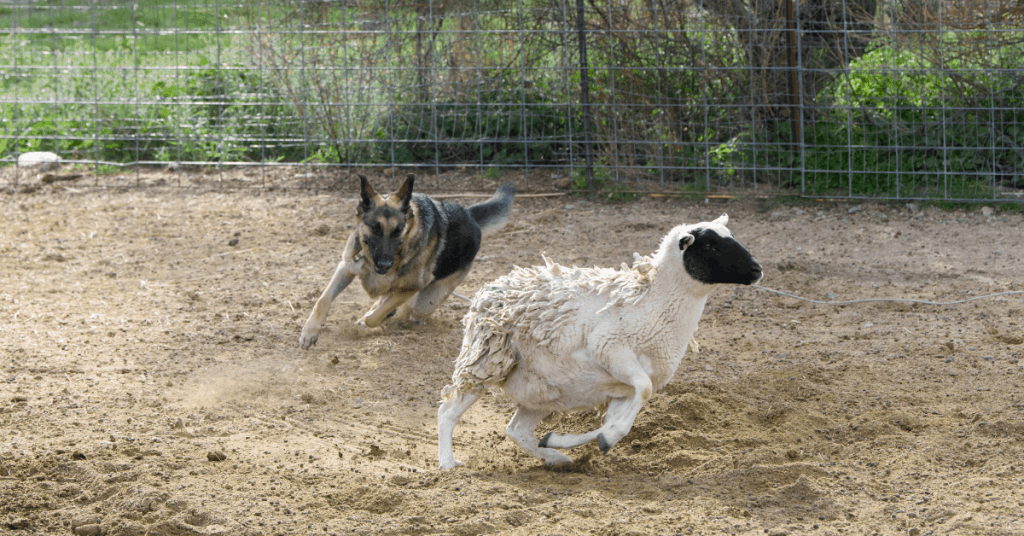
(111, 26)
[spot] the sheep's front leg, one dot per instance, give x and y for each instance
(447, 416)
(621, 412)
(521, 428)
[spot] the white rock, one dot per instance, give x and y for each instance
(987, 211)
(45, 160)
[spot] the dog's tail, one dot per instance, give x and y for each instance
(492, 214)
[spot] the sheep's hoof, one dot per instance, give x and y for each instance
(554, 459)
(603, 444)
(445, 467)
(544, 440)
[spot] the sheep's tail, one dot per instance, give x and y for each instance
(492, 214)
(487, 357)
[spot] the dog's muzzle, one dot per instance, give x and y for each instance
(383, 267)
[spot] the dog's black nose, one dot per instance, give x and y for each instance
(382, 267)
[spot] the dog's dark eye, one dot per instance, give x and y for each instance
(396, 233)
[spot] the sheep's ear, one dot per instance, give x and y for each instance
(686, 241)
(722, 220)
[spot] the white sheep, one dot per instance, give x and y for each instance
(569, 339)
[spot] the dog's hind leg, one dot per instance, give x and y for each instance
(433, 295)
(384, 308)
(346, 272)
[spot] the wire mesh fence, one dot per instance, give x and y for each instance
(892, 99)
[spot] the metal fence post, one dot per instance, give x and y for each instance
(581, 30)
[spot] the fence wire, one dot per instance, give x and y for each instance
(888, 99)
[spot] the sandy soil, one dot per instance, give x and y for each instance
(151, 381)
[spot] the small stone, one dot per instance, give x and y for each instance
(87, 520)
(216, 456)
(708, 368)
(831, 295)
(20, 524)
(77, 455)
(919, 216)
(987, 211)
(854, 209)
(563, 183)
(914, 208)
(88, 530)
(915, 532)
(988, 358)
(179, 424)
(233, 242)
(322, 230)
(45, 160)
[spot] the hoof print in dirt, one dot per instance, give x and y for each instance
(374, 452)
(216, 456)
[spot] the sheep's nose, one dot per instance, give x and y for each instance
(382, 267)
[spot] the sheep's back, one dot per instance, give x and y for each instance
(535, 312)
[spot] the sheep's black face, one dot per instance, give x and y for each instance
(713, 258)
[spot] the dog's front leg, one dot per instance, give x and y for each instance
(384, 308)
(349, 268)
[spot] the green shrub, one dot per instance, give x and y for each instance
(505, 127)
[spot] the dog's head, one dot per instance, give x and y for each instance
(383, 222)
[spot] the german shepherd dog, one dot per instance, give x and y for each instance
(406, 247)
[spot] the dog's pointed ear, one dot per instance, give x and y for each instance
(366, 195)
(686, 241)
(722, 220)
(404, 192)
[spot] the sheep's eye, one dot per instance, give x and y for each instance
(707, 247)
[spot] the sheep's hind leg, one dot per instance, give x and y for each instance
(521, 428)
(621, 413)
(617, 408)
(447, 416)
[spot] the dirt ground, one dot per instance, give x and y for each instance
(151, 381)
